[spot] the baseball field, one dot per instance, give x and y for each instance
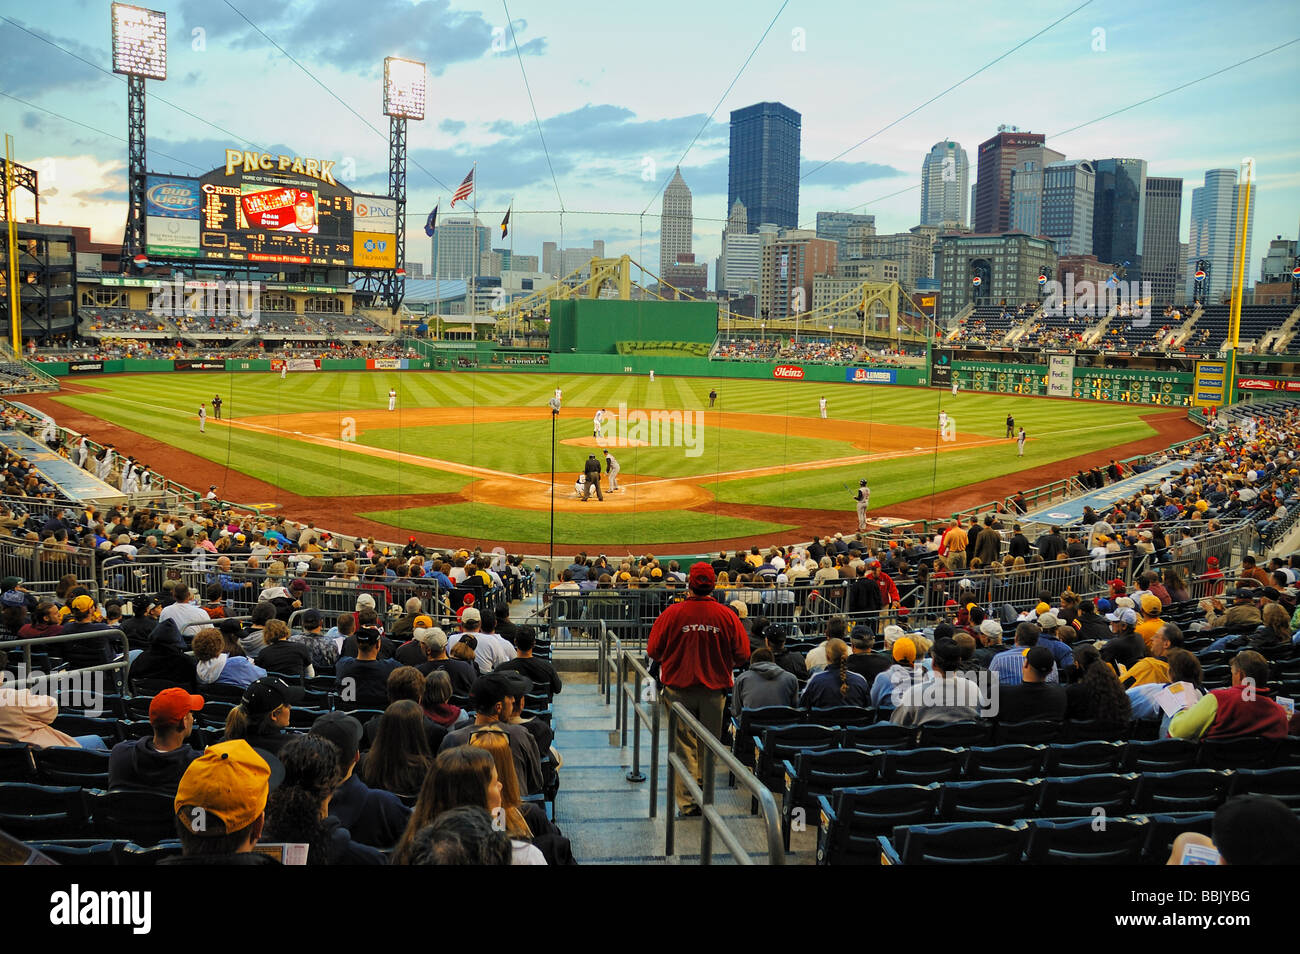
(467, 455)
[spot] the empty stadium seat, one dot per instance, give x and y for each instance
(955, 734)
(1004, 761)
(1084, 758)
(1160, 755)
(1246, 752)
(814, 774)
(59, 765)
(1282, 783)
(16, 764)
(921, 766)
(1026, 733)
(142, 816)
(1166, 826)
(881, 736)
(780, 743)
(28, 810)
(1083, 795)
(1190, 790)
(843, 716)
(966, 843)
(1069, 841)
(996, 800)
(852, 818)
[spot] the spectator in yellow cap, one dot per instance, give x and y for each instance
(898, 678)
(220, 806)
(1149, 622)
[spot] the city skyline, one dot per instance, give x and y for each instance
(613, 152)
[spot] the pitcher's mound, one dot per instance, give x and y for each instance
(642, 493)
(609, 442)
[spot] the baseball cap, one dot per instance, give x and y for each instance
(1212, 561)
(904, 650)
(488, 690)
(1041, 608)
(9, 582)
(172, 705)
(311, 618)
(741, 609)
(1117, 586)
(431, 637)
(83, 604)
(266, 695)
(1125, 602)
(142, 604)
(517, 684)
(227, 784)
(343, 730)
(893, 633)
(1126, 616)
(471, 615)
(15, 598)
(702, 578)
(1271, 592)
(366, 635)
(1048, 620)
(365, 599)
(946, 653)
(991, 627)
(1151, 604)
(1040, 659)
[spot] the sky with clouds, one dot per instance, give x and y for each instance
(624, 91)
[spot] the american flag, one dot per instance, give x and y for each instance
(464, 189)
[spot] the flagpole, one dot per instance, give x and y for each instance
(473, 307)
(437, 278)
(513, 313)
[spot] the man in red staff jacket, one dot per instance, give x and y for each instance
(697, 643)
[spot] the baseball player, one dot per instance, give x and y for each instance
(559, 395)
(612, 468)
(652, 376)
(578, 485)
(954, 389)
(821, 406)
(1011, 426)
(943, 421)
(212, 492)
(598, 424)
(392, 399)
(83, 451)
(284, 369)
(203, 417)
(713, 396)
(863, 496)
(216, 407)
(1020, 442)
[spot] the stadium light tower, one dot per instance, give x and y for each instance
(140, 53)
(404, 97)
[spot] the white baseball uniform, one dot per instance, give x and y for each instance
(652, 377)
(1020, 442)
(284, 370)
(203, 417)
(863, 498)
(821, 406)
(611, 462)
(598, 423)
(392, 399)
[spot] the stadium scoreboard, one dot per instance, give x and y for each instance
(273, 209)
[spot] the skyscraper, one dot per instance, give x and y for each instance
(1160, 237)
(945, 179)
(1069, 190)
(998, 156)
(1212, 233)
(453, 248)
(738, 265)
(1119, 214)
(836, 225)
(675, 223)
(763, 166)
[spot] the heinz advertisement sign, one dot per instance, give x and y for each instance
(789, 372)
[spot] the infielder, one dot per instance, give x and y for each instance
(392, 399)
(203, 417)
(821, 406)
(863, 497)
(559, 396)
(1020, 442)
(612, 468)
(943, 421)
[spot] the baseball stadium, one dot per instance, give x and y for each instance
(888, 555)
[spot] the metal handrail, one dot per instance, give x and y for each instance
(27, 643)
(650, 721)
(711, 817)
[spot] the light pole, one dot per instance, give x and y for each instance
(555, 412)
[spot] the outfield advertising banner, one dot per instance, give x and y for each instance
(869, 376)
(85, 367)
(185, 364)
(1060, 376)
(940, 367)
(304, 364)
(1210, 384)
(384, 364)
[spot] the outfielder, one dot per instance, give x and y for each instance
(203, 417)
(392, 399)
(612, 468)
(821, 406)
(652, 376)
(863, 497)
(1020, 442)
(284, 369)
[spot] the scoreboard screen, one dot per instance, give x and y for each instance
(269, 209)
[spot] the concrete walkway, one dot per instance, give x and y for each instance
(606, 817)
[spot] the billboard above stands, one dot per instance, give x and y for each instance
(1060, 376)
(1257, 384)
(375, 250)
(869, 376)
(1210, 384)
(375, 214)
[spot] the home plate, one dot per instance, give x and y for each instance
(918, 448)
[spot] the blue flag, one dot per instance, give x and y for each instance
(431, 223)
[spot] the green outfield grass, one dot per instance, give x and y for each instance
(650, 528)
(164, 407)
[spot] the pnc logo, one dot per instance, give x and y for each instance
(788, 371)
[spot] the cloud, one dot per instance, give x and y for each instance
(83, 190)
(452, 126)
(29, 66)
(845, 173)
(349, 38)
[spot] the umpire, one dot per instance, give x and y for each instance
(592, 471)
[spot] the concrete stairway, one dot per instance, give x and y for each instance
(606, 817)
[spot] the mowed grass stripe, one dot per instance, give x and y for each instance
(481, 521)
